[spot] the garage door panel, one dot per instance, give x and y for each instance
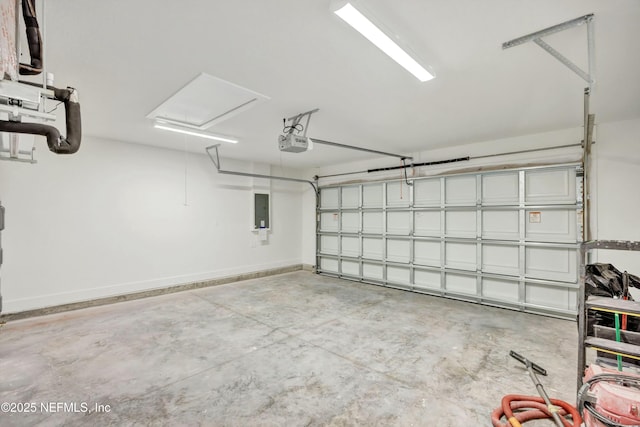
(398, 194)
(350, 268)
(427, 253)
(399, 222)
(399, 275)
(329, 245)
(550, 186)
(350, 246)
(372, 248)
(427, 223)
(460, 284)
(460, 223)
(372, 222)
(573, 299)
(551, 225)
(350, 222)
(372, 271)
(500, 189)
(501, 259)
(460, 256)
(372, 196)
(329, 221)
(350, 197)
(425, 279)
(398, 250)
(329, 265)
(501, 290)
(500, 224)
(547, 296)
(551, 263)
(329, 198)
(460, 190)
(426, 192)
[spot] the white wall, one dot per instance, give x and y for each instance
(617, 176)
(617, 191)
(111, 219)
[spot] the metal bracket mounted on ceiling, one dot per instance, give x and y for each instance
(536, 37)
(295, 121)
(216, 162)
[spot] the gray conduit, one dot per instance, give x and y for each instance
(55, 141)
(216, 162)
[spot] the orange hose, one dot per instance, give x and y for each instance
(536, 410)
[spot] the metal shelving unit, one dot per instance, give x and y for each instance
(609, 305)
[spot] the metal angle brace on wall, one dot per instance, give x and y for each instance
(216, 162)
(536, 37)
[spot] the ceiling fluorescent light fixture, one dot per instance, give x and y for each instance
(172, 128)
(375, 35)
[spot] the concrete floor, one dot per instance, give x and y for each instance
(296, 349)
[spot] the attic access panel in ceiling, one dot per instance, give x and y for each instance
(205, 101)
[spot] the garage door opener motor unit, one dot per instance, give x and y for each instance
(291, 143)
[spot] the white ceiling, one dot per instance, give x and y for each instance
(126, 57)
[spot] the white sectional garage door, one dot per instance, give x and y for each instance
(506, 238)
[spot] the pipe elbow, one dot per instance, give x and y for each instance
(70, 144)
(56, 143)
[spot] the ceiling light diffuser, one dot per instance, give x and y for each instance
(172, 128)
(352, 16)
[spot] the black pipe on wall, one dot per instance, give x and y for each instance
(55, 141)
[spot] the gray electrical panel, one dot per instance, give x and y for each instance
(261, 211)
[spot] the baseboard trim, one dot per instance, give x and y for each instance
(9, 317)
